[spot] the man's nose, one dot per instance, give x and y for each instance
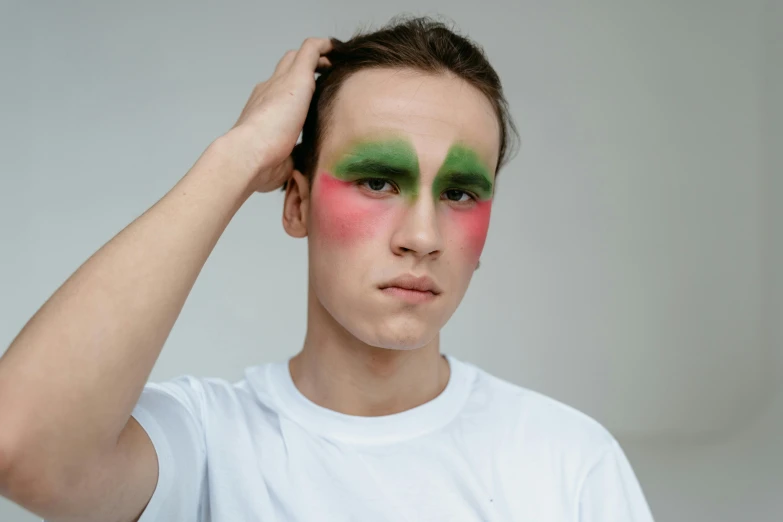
(419, 232)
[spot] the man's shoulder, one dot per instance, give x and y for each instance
(205, 392)
(537, 419)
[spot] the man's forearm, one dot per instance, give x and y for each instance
(72, 376)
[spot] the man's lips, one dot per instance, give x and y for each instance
(411, 288)
(411, 282)
(411, 296)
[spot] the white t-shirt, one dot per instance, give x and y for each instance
(483, 450)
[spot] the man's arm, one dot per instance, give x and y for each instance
(71, 378)
(69, 449)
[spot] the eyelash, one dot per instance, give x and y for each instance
(470, 195)
(367, 180)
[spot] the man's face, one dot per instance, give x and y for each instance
(403, 186)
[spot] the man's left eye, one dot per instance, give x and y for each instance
(459, 196)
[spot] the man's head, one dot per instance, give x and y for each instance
(395, 176)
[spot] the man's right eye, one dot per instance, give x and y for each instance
(376, 184)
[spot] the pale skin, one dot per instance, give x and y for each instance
(69, 449)
(341, 366)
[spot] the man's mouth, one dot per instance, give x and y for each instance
(411, 296)
(411, 288)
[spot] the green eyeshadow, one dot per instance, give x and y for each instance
(463, 170)
(396, 160)
(393, 159)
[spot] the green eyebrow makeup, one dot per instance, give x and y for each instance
(463, 170)
(393, 159)
(396, 160)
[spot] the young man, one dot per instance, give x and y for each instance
(392, 185)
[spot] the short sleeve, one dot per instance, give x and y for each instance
(611, 492)
(171, 414)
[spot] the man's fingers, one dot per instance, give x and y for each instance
(307, 57)
(311, 52)
(282, 172)
(285, 62)
(323, 64)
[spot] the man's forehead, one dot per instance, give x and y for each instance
(432, 112)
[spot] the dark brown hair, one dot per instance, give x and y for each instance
(420, 43)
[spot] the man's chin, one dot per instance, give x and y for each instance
(401, 335)
(407, 329)
(398, 345)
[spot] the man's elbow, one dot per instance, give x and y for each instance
(22, 484)
(7, 461)
(5, 470)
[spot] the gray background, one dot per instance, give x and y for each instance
(630, 265)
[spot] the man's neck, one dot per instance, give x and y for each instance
(339, 372)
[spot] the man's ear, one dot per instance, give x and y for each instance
(296, 206)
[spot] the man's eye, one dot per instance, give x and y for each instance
(375, 184)
(458, 196)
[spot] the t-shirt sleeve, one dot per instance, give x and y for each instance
(171, 414)
(611, 492)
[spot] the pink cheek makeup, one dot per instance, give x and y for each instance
(346, 214)
(343, 214)
(470, 227)
(463, 170)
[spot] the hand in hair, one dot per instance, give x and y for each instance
(265, 133)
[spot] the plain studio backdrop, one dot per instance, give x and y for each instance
(632, 264)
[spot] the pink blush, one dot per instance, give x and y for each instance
(472, 226)
(342, 213)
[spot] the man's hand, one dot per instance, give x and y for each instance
(263, 137)
(81, 362)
